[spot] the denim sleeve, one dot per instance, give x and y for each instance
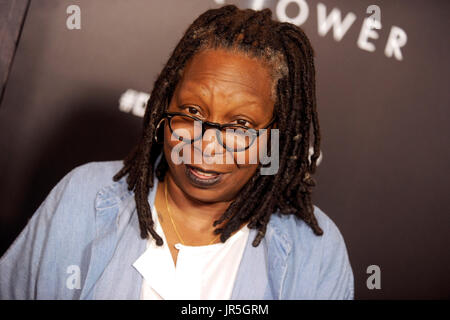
(20, 264)
(336, 275)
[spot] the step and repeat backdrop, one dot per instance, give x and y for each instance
(83, 71)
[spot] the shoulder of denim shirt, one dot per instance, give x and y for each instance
(296, 234)
(97, 174)
(94, 181)
(323, 258)
(70, 205)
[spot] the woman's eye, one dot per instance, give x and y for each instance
(192, 110)
(243, 122)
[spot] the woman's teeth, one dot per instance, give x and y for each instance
(202, 179)
(204, 174)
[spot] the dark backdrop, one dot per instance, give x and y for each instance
(385, 168)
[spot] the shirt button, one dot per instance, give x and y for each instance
(178, 246)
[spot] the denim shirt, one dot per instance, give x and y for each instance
(83, 239)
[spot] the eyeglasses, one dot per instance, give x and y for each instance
(234, 139)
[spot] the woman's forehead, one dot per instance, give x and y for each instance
(229, 71)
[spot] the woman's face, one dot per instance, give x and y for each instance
(222, 87)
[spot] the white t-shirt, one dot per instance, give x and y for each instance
(201, 272)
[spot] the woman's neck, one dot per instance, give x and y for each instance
(196, 215)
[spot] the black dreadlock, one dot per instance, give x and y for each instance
(288, 191)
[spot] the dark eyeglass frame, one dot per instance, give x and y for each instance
(255, 133)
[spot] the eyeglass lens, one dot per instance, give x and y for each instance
(189, 130)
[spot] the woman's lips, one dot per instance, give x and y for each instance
(202, 178)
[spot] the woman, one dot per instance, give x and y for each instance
(193, 214)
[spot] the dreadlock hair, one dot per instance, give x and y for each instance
(288, 51)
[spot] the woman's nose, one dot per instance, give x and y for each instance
(211, 148)
(210, 144)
